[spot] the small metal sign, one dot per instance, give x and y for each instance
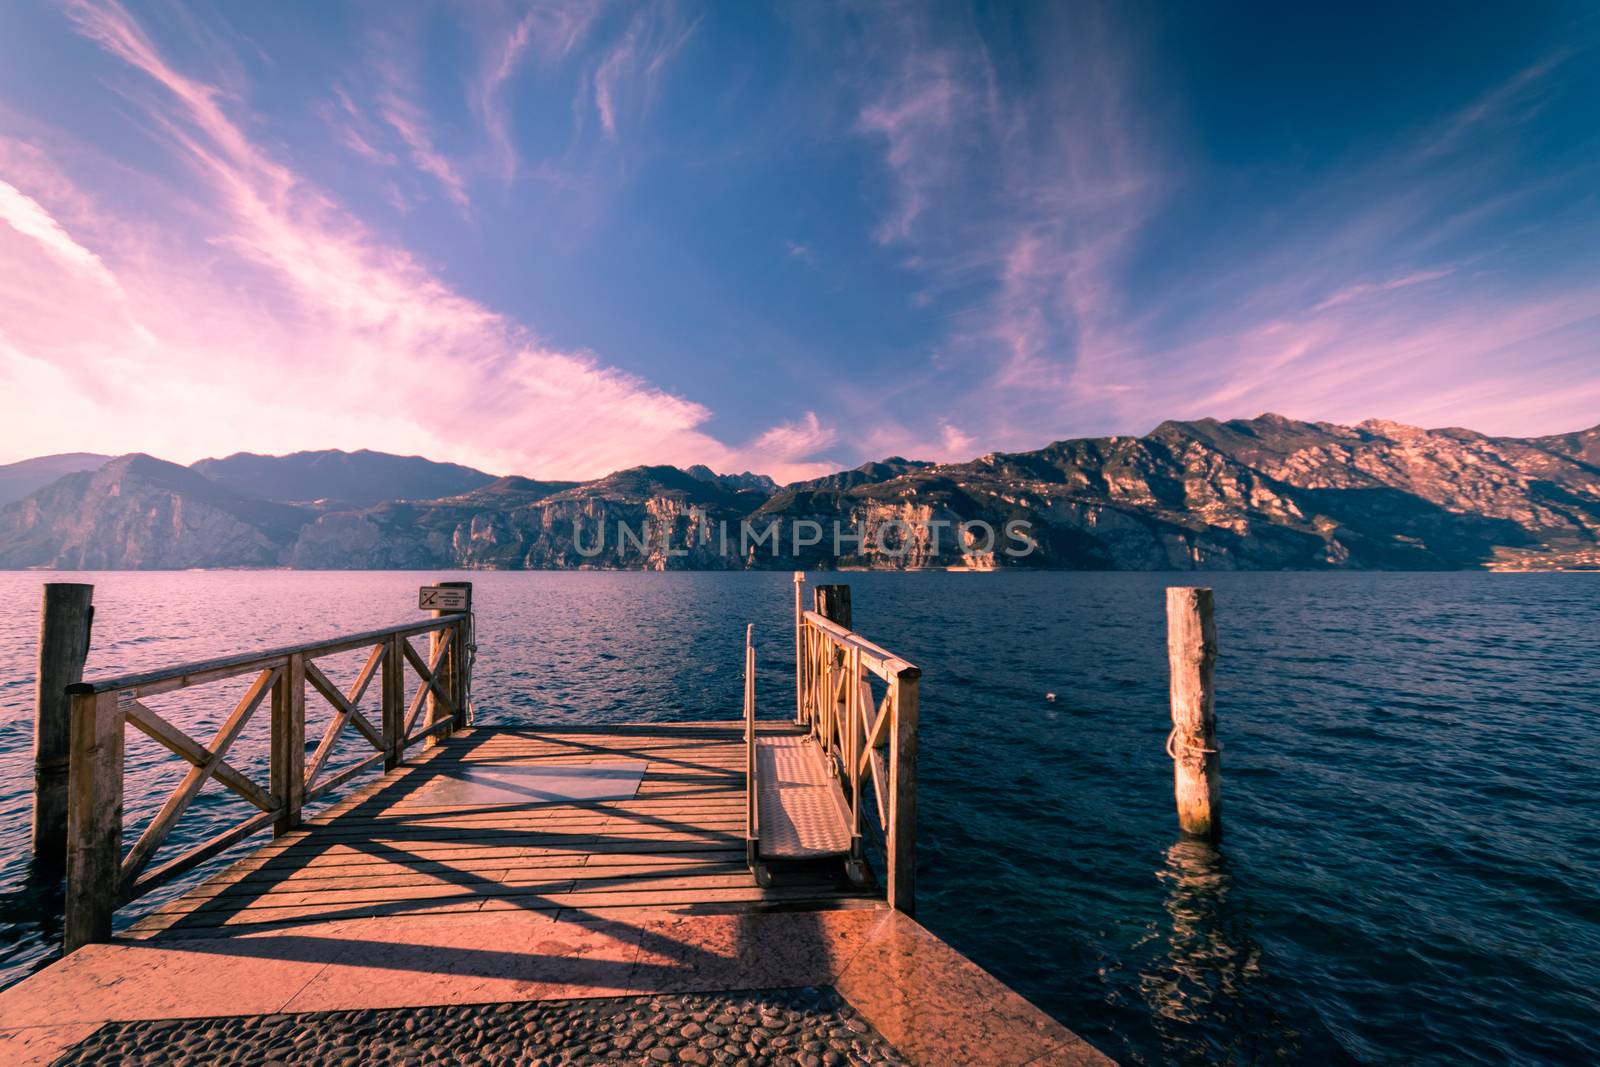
(441, 598)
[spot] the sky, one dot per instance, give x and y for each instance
(561, 238)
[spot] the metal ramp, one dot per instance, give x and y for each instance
(801, 811)
(795, 807)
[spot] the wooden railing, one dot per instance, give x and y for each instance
(857, 698)
(101, 877)
(752, 823)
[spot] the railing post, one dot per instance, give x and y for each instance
(452, 668)
(902, 842)
(751, 833)
(799, 651)
(65, 615)
(289, 743)
(94, 819)
(852, 747)
(394, 704)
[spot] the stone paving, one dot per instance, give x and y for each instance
(806, 1027)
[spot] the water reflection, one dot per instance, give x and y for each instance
(1198, 991)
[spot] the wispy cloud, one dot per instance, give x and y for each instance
(355, 131)
(1035, 196)
(1025, 203)
(381, 352)
(626, 77)
(550, 31)
(1514, 100)
(1364, 289)
(800, 439)
(408, 121)
(24, 215)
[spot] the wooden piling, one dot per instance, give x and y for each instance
(66, 612)
(452, 669)
(832, 602)
(1192, 744)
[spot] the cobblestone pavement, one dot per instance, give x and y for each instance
(807, 1027)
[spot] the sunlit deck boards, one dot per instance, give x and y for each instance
(421, 841)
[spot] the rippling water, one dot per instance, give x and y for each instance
(1411, 778)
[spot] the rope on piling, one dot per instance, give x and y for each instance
(1174, 739)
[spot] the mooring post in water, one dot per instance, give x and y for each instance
(452, 668)
(1192, 744)
(65, 615)
(833, 603)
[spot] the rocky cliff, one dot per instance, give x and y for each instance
(142, 512)
(1260, 493)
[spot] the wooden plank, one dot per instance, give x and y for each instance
(306, 879)
(150, 683)
(678, 844)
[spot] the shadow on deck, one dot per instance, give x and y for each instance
(528, 864)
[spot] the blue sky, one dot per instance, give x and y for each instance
(563, 238)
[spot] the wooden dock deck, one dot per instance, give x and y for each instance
(513, 894)
(481, 824)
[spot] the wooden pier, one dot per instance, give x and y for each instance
(513, 867)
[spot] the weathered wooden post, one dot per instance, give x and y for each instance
(832, 602)
(901, 844)
(394, 704)
(288, 743)
(66, 612)
(799, 651)
(1192, 744)
(452, 668)
(94, 818)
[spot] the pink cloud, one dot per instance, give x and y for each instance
(283, 322)
(24, 215)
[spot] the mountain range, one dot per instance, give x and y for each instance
(1263, 493)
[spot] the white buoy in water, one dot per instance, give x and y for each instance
(1049, 696)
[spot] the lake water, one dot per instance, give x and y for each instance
(1411, 778)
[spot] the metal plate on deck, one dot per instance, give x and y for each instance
(530, 783)
(802, 810)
